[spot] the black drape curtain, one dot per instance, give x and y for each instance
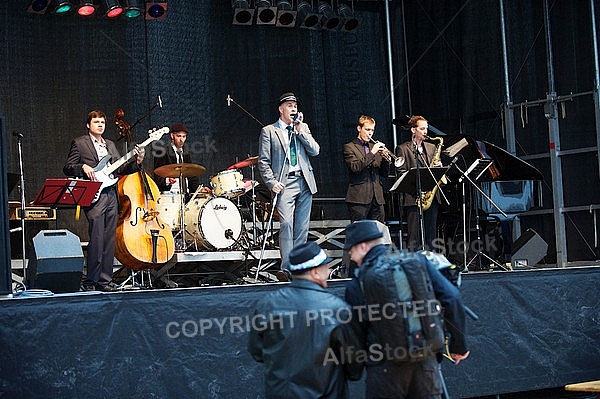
(56, 69)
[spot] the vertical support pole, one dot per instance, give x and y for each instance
(596, 79)
(551, 113)
(509, 113)
(390, 70)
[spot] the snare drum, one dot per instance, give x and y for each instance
(169, 208)
(228, 183)
(212, 223)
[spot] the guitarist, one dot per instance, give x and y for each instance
(84, 155)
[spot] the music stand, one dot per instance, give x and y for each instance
(67, 192)
(408, 181)
(417, 181)
(476, 169)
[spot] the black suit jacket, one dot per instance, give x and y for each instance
(83, 152)
(365, 171)
(169, 158)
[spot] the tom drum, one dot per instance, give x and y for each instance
(169, 206)
(228, 183)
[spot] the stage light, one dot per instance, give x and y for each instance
(266, 13)
(133, 8)
(113, 8)
(156, 10)
(330, 20)
(242, 13)
(38, 6)
(306, 17)
(86, 7)
(350, 21)
(61, 6)
(285, 16)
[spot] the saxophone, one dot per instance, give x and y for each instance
(428, 196)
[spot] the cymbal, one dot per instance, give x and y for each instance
(186, 169)
(245, 163)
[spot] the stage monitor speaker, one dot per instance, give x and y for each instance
(56, 263)
(528, 249)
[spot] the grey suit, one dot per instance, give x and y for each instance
(295, 202)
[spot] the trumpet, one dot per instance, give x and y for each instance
(389, 155)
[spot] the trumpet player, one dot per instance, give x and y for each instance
(412, 151)
(368, 161)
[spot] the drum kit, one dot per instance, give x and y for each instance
(210, 219)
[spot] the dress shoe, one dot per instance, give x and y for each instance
(106, 287)
(283, 275)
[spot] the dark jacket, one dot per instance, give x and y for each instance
(298, 352)
(167, 157)
(406, 151)
(445, 292)
(364, 171)
(82, 152)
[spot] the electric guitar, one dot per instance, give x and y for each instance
(104, 170)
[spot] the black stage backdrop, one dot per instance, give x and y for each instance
(447, 65)
(536, 330)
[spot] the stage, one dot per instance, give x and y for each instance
(537, 329)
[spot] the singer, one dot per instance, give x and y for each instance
(284, 149)
(412, 150)
(173, 153)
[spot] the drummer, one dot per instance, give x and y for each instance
(175, 153)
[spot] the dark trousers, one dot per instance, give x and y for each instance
(372, 211)
(418, 380)
(414, 227)
(102, 219)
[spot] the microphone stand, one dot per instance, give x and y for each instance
(283, 167)
(22, 215)
(230, 100)
(419, 195)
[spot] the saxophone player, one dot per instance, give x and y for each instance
(412, 151)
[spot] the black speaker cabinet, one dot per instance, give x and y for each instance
(528, 250)
(56, 263)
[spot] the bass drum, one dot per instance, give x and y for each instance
(212, 223)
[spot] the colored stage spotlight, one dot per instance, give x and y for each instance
(86, 7)
(38, 6)
(61, 6)
(156, 10)
(133, 8)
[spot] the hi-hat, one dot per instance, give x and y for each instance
(174, 170)
(245, 163)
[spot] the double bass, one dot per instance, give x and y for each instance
(143, 239)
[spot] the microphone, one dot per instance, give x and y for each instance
(453, 161)
(17, 133)
(229, 100)
(159, 101)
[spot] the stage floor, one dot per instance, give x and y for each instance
(537, 329)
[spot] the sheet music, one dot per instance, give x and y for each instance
(454, 149)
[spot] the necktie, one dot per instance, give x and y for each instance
(183, 183)
(293, 158)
